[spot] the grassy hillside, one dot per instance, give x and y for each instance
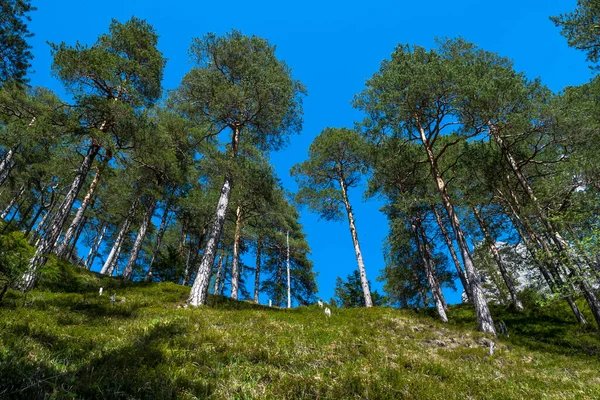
(64, 341)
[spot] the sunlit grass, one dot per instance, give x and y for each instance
(75, 344)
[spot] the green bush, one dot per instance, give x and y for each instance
(15, 253)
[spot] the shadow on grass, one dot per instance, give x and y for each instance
(138, 370)
(550, 329)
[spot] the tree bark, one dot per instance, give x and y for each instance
(6, 164)
(561, 244)
(257, 272)
(89, 261)
(35, 238)
(459, 270)
(12, 202)
(361, 265)
(111, 261)
(484, 317)
(424, 251)
(199, 290)
(62, 248)
(289, 281)
(159, 237)
(218, 277)
(128, 273)
(508, 281)
(47, 243)
(235, 271)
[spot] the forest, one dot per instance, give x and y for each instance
(490, 180)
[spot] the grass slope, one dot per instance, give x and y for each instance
(65, 341)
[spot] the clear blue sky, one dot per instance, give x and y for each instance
(332, 47)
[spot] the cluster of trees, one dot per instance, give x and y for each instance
(157, 186)
(466, 152)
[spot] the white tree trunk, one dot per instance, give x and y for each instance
(218, 277)
(46, 245)
(359, 259)
(6, 164)
(200, 286)
(159, 236)
(89, 261)
(12, 202)
(257, 272)
(459, 270)
(128, 273)
(64, 245)
(235, 271)
(111, 261)
(484, 317)
(289, 280)
(498, 259)
(436, 292)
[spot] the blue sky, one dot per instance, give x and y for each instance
(332, 47)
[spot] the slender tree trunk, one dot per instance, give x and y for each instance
(6, 164)
(508, 281)
(235, 271)
(111, 261)
(89, 261)
(200, 287)
(218, 277)
(279, 298)
(35, 238)
(289, 280)
(47, 244)
(459, 270)
(484, 317)
(159, 236)
(27, 230)
(78, 232)
(198, 292)
(257, 272)
(555, 236)
(62, 248)
(12, 202)
(128, 273)
(429, 268)
(361, 265)
(532, 242)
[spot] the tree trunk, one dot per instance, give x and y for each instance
(198, 292)
(62, 248)
(361, 265)
(200, 287)
(35, 238)
(555, 236)
(128, 273)
(159, 236)
(111, 261)
(27, 230)
(89, 261)
(6, 164)
(459, 270)
(12, 202)
(429, 267)
(235, 271)
(508, 281)
(218, 277)
(257, 272)
(47, 244)
(553, 280)
(289, 281)
(484, 317)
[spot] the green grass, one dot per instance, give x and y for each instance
(63, 341)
